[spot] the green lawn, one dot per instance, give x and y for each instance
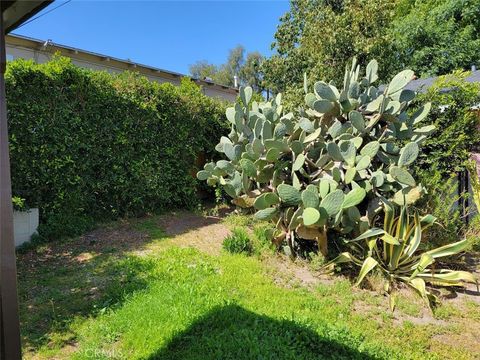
(111, 297)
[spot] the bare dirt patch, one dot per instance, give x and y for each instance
(186, 229)
(185, 222)
(294, 273)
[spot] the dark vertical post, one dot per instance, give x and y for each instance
(10, 347)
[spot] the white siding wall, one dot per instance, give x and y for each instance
(14, 52)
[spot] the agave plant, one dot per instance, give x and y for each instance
(394, 251)
(322, 168)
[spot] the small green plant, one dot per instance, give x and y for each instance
(263, 233)
(19, 204)
(238, 242)
(473, 233)
(393, 250)
(316, 261)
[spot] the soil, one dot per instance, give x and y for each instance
(206, 233)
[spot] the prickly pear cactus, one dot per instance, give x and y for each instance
(327, 166)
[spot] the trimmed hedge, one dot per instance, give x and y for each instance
(447, 152)
(448, 149)
(89, 146)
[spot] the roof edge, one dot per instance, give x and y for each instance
(127, 62)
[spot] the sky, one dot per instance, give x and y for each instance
(166, 34)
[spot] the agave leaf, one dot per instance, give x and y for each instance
(448, 277)
(369, 233)
(425, 261)
(343, 258)
(419, 285)
(427, 220)
(389, 239)
(417, 237)
(389, 215)
(393, 302)
(368, 265)
(450, 249)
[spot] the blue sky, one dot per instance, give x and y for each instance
(166, 34)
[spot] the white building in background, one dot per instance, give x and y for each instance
(41, 51)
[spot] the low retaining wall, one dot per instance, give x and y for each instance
(25, 224)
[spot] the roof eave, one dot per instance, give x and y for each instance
(17, 12)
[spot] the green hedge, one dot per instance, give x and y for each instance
(447, 152)
(90, 146)
(457, 134)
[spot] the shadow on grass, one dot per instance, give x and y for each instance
(55, 293)
(81, 277)
(231, 332)
(184, 222)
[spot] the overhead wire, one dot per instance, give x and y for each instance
(45, 13)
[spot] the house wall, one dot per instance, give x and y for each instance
(26, 48)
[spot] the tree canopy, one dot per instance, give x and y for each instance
(245, 67)
(435, 37)
(319, 37)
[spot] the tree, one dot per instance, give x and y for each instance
(250, 73)
(323, 36)
(319, 37)
(203, 69)
(435, 37)
(247, 69)
(232, 67)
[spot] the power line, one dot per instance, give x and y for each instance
(45, 13)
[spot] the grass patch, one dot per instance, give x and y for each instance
(150, 227)
(82, 301)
